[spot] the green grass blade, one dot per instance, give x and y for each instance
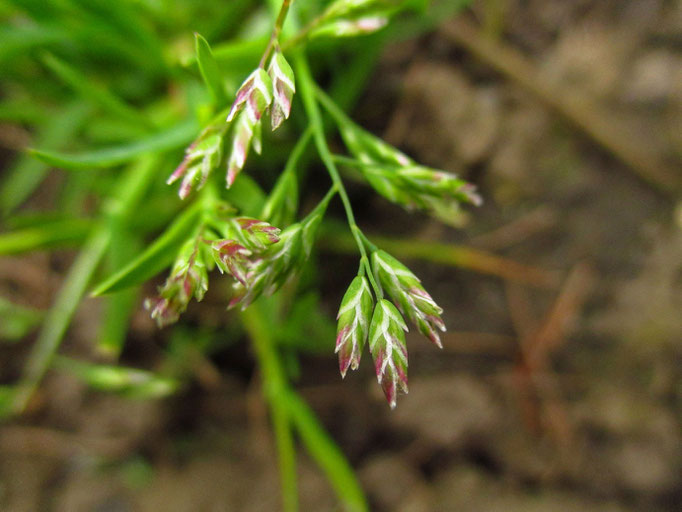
(158, 256)
(95, 94)
(239, 56)
(23, 110)
(50, 234)
(326, 453)
(286, 455)
(172, 138)
(119, 306)
(228, 19)
(59, 316)
(123, 201)
(18, 40)
(124, 245)
(132, 185)
(130, 382)
(258, 323)
(210, 71)
(125, 20)
(118, 309)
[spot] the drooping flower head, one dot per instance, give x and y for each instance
(201, 157)
(272, 267)
(187, 279)
(408, 294)
(254, 95)
(238, 254)
(251, 102)
(269, 269)
(387, 345)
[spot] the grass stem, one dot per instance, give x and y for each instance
(308, 87)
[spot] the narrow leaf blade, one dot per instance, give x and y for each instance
(130, 382)
(50, 234)
(210, 71)
(177, 136)
(158, 256)
(96, 94)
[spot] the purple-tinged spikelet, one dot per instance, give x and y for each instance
(346, 18)
(241, 142)
(270, 269)
(254, 95)
(409, 295)
(353, 324)
(279, 261)
(258, 233)
(201, 157)
(238, 256)
(283, 88)
(252, 100)
(401, 180)
(387, 345)
(352, 27)
(188, 279)
(232, 258)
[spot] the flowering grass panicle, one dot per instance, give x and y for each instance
(270, 269)
(148, 111)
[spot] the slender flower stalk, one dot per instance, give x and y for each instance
(312, 108)
(276, 31)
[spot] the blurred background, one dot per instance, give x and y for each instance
(559, 387)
